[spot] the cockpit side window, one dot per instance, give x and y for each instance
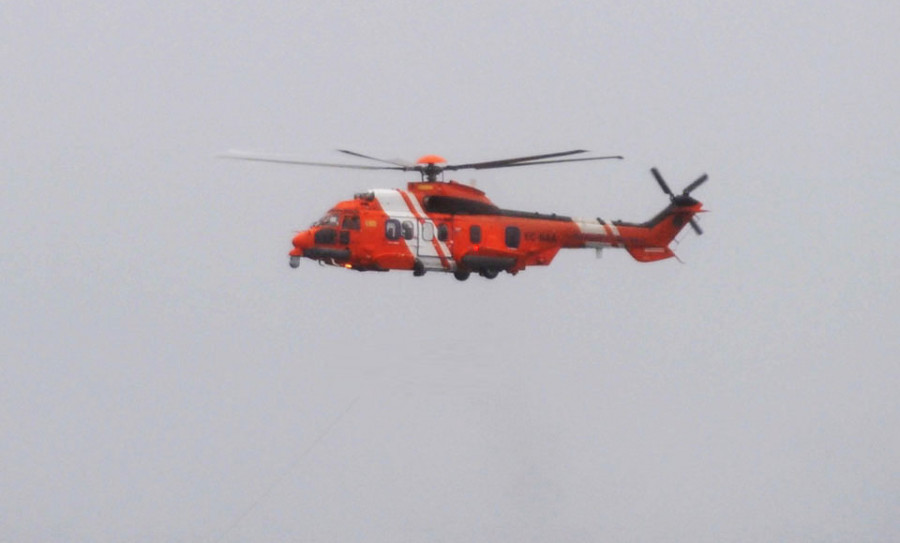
(351, 222)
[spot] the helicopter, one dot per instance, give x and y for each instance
(439, 225)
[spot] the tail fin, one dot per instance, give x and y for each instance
(652, 242)
(654, 236)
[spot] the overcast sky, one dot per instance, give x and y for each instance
(166, 376)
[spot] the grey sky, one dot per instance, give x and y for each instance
(167, 377)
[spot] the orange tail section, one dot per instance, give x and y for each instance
(650, 241)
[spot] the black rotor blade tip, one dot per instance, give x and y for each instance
(696, 227)
(661, 181)
(700, 180)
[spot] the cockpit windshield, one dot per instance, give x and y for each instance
(330, 219)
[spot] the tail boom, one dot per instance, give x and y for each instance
(645, 242)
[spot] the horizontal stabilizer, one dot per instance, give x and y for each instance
(650, 254)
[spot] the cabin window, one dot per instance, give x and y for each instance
(443, 232)
(475, 233)
(513, 236)
(351, 222)
(392, 229)
(408, 229)
(325, 236)
(427, 231)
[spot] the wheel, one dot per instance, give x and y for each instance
(490, 273)
(295, 261)
(418, 268)
(461, 275)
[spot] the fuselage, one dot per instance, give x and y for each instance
(450, 227)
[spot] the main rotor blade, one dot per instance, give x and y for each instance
(662, 182)
(700, 180)
(533, 163)
(505, 161)
(696, 227)
(238, 155)
(360, 155)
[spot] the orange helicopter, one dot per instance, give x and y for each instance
(446, 226)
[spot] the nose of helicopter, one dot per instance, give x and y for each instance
(302, 242)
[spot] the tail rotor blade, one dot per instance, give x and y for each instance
(696, 227)
(700, 180)
(662, 182)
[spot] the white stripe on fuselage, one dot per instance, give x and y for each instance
(615, 232)
(442, 252)
(394, 205)
(395, 208)
(595, 228)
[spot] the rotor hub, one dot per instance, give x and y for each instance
(432, 159)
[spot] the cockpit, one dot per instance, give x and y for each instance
(346, 220)
(329, 219)
(335, 227)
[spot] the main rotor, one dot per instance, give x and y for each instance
(430, 167)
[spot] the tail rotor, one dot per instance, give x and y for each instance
(684, 199)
